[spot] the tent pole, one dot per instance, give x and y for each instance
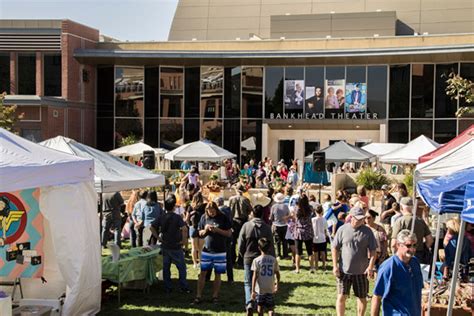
(433, 265)
(457, 259)
(415, 206)
(101, 215)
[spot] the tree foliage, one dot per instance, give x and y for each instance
(8, 116)
(129, 140)
(461, 89)
(371, 180)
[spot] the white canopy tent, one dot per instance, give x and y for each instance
(135, 150)
(68, 203)
(199, 151)
(249, 143)
(410, 153)
(380, 149)
(112, 174)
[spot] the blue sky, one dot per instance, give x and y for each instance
(133, 20)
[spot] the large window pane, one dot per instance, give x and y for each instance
(212, 130)
(334, 87)
(211, 108)
(421, 127)
(212, 89)
(171, 133)
(464, 124)
(251, 144)
(422, 90)
(314, 92)
(26, 74)
(398, 131)
(129, 92)
(52, 75)
(232, 92)
(310, 146)
(294, 90)
(444, 131)
(467, 72)
(105, 92)
(399, 99)
(105, 134)
(125, 127)
(151, 92)
(171, 80)
(445, 106)
(171, 106)
(4, 73)
(232, 136)
(191, 130)
(252, 92)
(273, 91)
(192, 92)
(355, 94)
(377, 91)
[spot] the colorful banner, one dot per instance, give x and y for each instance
(334, 99)
(294, 94)
(21, 235)
(356, 97)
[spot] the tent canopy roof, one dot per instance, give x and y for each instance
(344, 152)
(111, 173)
(379, 149)
(133, 150)
(26, 165)
(410, 153)
(199, 151)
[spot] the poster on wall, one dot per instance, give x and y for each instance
(294, 94)
(314, 103)
(356, 97)
(21, 235)
(334, 99)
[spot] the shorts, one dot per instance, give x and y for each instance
(359, 283)
(320, 247)
(291, 242)
(265, 300)
(193, 232)
(308, 244)
(216, 261)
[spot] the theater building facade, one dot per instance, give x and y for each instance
(282, 79)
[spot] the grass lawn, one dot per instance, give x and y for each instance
(303, 293)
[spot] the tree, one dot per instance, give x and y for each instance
(461, 89)
(129, 140)
(8, 118)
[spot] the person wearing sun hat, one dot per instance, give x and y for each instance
(264, 201)
(279, 214)
(241, 208)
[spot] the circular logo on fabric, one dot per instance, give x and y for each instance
(12, 218)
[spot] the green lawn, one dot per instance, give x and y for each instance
(302, 293)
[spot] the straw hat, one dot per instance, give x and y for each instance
(279, 198)
(259, 199)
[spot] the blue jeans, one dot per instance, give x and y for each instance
(175, 256)
(248, 275)
(111, 222)
(133, 233)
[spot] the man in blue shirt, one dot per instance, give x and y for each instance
(399, 280)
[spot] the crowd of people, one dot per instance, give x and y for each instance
(254, 232)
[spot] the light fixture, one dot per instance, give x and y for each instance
(290, 126)
(332, 12)
(357, 126)
(237, 38)
(194, 39)
(328, 36)
(425, 33)
(282, 38)
(287, 13)
(378, 10)
(376, 35)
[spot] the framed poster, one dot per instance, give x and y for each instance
(335, 94)
(356, 97)
(314, 103)
(294, 94)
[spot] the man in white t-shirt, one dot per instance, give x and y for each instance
(320, 229)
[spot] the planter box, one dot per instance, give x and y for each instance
(440, 310)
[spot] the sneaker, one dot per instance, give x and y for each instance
(312, 271)
(249, 308)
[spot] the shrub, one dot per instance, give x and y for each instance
(408, 181)
(371, 180)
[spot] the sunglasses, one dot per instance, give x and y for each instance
(410, 245)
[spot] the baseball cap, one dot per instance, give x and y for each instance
(385, 187)
(407, 201)
(357, 213)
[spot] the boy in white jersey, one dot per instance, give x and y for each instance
(264, 283)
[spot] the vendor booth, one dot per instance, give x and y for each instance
(202, 150)
(48, 215)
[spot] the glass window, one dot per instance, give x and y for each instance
(191, 92)
(422, 90)
(211, 108)
(105, 133)
(399, 99)
(171, 106)
(171, 133)
(273, 91)
(191, 130)
(294, 90)
(333, 141)
(377, 91)
(26, 74)
(52, 75)
(125, 127)
(334, 87)
(445, 130)
(335, 73)
(356, 74)
(252, 92)
(445, 106)
(314, 91)
(4, 72)
(310, 146)
(105, 92)
(171, 80)
(212, 131)
(232, 92)
(464, 124)
(151, 92)
(398, 131)
(232, 136)
(251, 144)
(212, 80)
(467, 72)
(129, 92)
(421, 127)
(152, 132)
(33, 135)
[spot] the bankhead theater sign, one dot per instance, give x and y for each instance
(321, 116)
